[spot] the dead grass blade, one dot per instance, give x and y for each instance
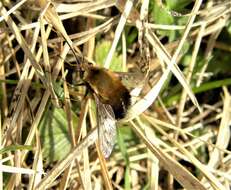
(118, 32)
(24, 45)
(184, 177)
(168, 142)
(203, 168)
(102, 161)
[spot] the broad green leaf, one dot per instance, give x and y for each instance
(54, 134)
(101, 52)
(161, 16)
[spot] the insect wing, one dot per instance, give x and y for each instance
(106, 127)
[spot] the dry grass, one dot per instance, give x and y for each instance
(168, 139)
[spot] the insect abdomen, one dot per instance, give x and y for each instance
(121, 103)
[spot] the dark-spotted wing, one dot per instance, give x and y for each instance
(106, 127)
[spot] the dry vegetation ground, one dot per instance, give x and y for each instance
(176, 134)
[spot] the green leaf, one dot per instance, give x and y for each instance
(122, 146)
(131, 35)
(54, 134)
(229, 27)
(15, 147)
(220, 63)
(203, 88)
(177, 5)
(59, 91)
(101, 52)
(126, 132)
(127, 184)
(161, 16)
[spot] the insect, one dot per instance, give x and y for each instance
(111, 96)
(112, 100)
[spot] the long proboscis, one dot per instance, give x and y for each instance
(81, 65)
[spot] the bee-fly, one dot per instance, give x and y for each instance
(112, 100)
